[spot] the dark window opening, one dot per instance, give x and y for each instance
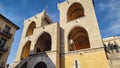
(38, 50)
(111, 47)
(116, 47)
(0, 56)
(2, 42)
(40, 65)
(7, 29)
(76, 64)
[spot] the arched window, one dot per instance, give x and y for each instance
(30, 29)
(78, 39)
(75, 11)
(44, 43)
(26, 50)
(40, 65)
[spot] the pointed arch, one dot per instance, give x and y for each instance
(26, 50)
(78, 39)
(43, 43)
(30, 29)
(75, 11)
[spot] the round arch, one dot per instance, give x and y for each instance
(26, 50)
(43, 43)
(78, 39)
(30, 29)
(75, 11)
(40, 65)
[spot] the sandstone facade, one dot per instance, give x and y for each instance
(73, 43)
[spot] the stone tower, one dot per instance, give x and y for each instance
(74, 43)
(36, 46)
(81, 44)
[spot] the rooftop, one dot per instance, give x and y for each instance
(9, 22)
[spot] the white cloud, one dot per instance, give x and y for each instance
(113, 13)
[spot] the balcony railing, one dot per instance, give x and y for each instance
(5, 33)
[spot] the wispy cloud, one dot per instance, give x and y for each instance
(113, 15)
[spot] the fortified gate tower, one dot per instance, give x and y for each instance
(73, 43)
(81, 44)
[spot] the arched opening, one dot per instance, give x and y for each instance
(78, 39)
(30, 29)
(26, 50)
(43, 43)
(40, 65)
(75, 11)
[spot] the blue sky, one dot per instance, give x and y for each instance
(107, 12)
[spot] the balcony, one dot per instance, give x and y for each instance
(5, 34)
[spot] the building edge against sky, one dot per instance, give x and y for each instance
(7, 32)
(56, 44)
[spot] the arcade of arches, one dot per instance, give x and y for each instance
(75, 11)
(30, 29)
(78, 39)
(43, 43)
